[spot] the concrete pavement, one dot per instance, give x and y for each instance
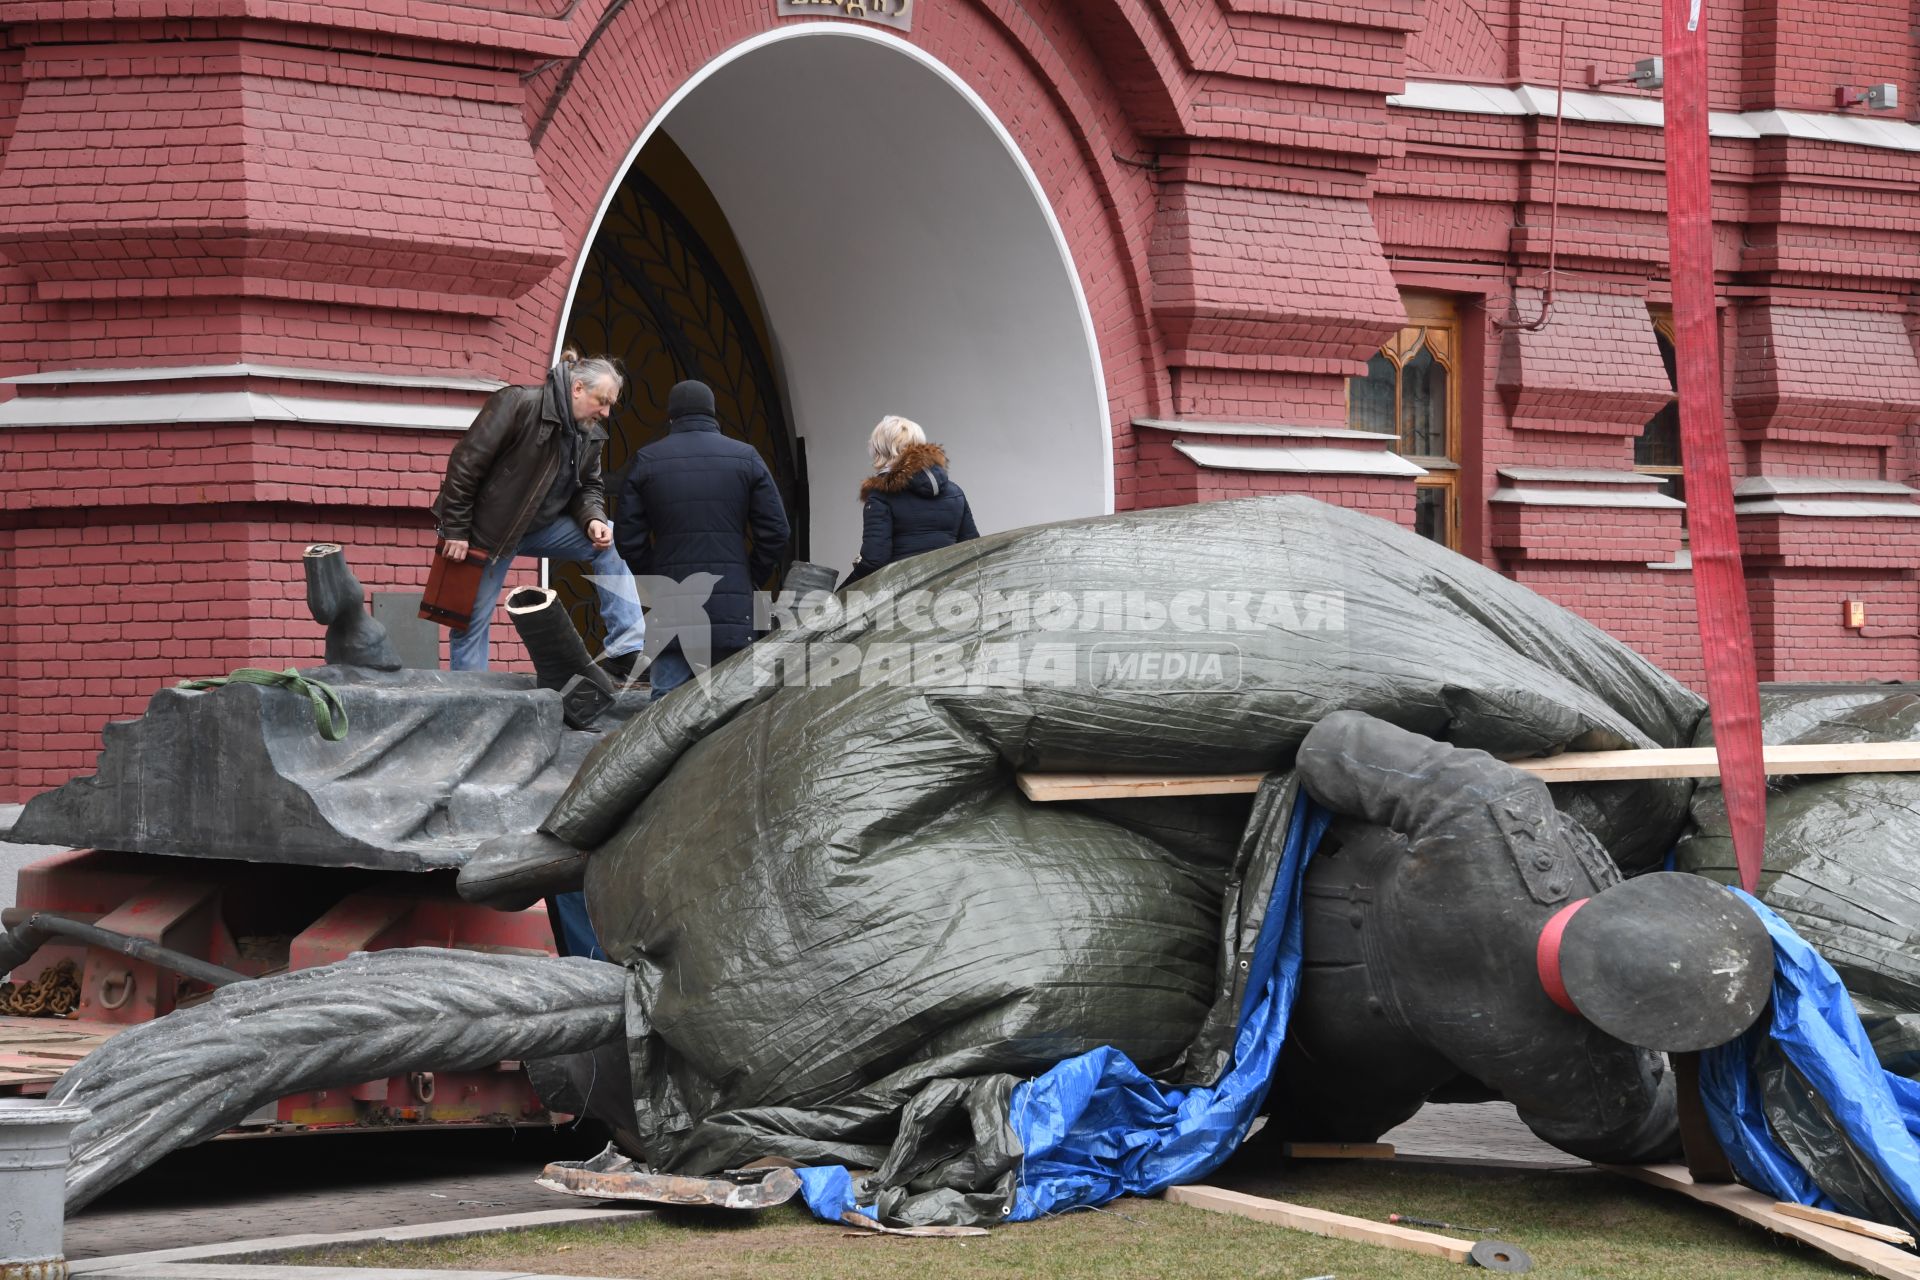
(242, 1256)
(269, 1271)
(247, 1189)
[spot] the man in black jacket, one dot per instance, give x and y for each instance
(686, 509)
(525, 480)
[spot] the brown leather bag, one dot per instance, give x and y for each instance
(451, 588)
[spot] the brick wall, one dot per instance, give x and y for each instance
(385, 187)
(106, 612)
(136, 558)
(1651, 611)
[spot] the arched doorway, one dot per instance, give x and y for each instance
(904, 260)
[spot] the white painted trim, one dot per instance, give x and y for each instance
(208, 407)
(1832, 509)
(1580, 475)
(850, 31)
(1582, 498)
(1828, 486)
(180, 373)
(1852, 129)
(1261, 430)
(1304, 460)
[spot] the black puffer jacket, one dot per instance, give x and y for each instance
(911, 507)
(687, 507)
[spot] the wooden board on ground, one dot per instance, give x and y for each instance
(1872, 1256)
(1858, 1226)
(1320, 1222)
(1574, 766)
(34, 1052)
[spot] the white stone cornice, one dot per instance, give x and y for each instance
(215, 408)
(1853, 128)
(1300, 460)
(286, 373)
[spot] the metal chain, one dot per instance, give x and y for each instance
(54, 994)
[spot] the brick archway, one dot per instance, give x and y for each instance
(1046, 88)
(910, 263)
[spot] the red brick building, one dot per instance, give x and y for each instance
(263, 260)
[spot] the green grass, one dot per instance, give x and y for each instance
(1575, 1223)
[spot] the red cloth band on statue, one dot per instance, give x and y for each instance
(1546, 956)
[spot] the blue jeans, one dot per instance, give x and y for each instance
(572, 931)
(671, 670)
(561, 540)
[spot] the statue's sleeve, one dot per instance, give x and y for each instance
(1434, 794)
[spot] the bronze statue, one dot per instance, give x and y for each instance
(1425, 913)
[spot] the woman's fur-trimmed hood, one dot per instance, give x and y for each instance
(923, 466)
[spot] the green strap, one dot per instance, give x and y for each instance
(329, 713)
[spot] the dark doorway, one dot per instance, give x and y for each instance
(665, 289)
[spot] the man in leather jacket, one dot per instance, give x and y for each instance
(525, 481)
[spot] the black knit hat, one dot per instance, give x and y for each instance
(689, 397)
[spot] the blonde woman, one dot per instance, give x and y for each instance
(910, 505)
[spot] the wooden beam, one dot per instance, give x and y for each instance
(1320, 1222)
(1702, 762)
(1859, 1226)
(1871, 1256)
(1042, 787)
(1574, 766)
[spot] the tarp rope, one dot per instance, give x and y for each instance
(329, 713)
(1719, 584)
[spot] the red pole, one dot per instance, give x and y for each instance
(1719, 586)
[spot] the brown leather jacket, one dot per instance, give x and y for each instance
(505, 464)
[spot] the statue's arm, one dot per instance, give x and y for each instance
(1430, 792)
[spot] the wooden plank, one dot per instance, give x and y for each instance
(1702, 762)
(1043, 787)
(1859, 1226)
(34, 1052)
(1574, 766)
(1320, 1222)
(1337, 1150)
(1871, 1256)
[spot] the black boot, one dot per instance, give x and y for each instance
(335, 598)
(560, 659)
(619, 666)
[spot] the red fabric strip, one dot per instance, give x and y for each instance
(1719, 585)
(1546, 955)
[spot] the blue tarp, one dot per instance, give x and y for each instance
(1095, 1127)
(1813, 1022)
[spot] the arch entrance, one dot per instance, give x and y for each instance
(830, 226)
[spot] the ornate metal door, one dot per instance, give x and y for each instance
(655, 295)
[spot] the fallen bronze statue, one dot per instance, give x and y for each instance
(843, 939)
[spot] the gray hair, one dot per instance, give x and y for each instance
(593, 371)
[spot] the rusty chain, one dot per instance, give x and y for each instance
(53, 994)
